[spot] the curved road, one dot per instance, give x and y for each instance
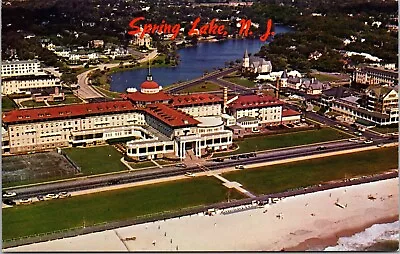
(85, 91)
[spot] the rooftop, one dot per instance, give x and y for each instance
(290, 112)
(170, 116)
(255, 101)
(142, 97)
(195, 99)
(67, 111)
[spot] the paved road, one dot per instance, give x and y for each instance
(85, 91)
(215, 77)
(136, 176)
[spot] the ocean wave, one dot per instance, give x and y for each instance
(383, 235)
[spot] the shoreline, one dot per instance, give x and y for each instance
(320, 243)
(301, 222)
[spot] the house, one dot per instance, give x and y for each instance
(313, 86)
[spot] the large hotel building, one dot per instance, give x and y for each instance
(161, 124)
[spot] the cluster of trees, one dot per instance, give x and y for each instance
(325, 34)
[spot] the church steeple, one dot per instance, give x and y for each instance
(149, 76)
(246, 54)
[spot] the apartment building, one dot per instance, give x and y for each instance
(20, 68)
(25, 83)
(375, 75)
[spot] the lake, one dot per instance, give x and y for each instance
(194, 61)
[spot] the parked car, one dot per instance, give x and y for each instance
(64, 194)
(253, 155)
(9, 194)
(181, 165)
(26, 201)
(9, 202)
(239, 167)
(189, 174)
(234, 158)
(218, 160)
(40, 198)
(51, 196)
(368, 142)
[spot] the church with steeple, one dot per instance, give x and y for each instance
(255, 64)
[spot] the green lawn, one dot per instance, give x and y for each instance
(96, 160)
(286, 140)
(142, 164)
(107, 92)
(69, 99)
(7, 104)
(324, 77)
(385, 130)
(240, 81)
(278, 178)
(202, 87)
(31, 104)
(50, 216)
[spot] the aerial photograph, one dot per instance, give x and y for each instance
(199, 125)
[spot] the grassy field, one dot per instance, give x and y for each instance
(50, 216)
(107, 92)
(273, 179)
(240, 81)
(7, 104)
(69, 99)
(385, 130)
(202, 87)
(31, 104)
(286, 140)
(96, 160)
(324, 77)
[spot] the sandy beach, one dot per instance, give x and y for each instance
(297, 223)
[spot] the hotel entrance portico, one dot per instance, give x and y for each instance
(197, 142)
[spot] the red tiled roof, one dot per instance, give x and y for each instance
(68, 111)
(170, 116)
(289, 112)
(142, 97)
(254, 101)
(149, 85)
(195, 99)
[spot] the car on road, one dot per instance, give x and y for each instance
(380, 145)
(239, 167)
(181, 165)
(9, 194)
(218, 160)
(51, 196)
(368, 142)
(320, 148)
(189, 174)
(253, 155)
(358, 133)
(345, 128)
(9, 202)
(25, 201)
(64, 194)
(353, 140)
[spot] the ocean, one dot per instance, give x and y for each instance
(378, 237)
